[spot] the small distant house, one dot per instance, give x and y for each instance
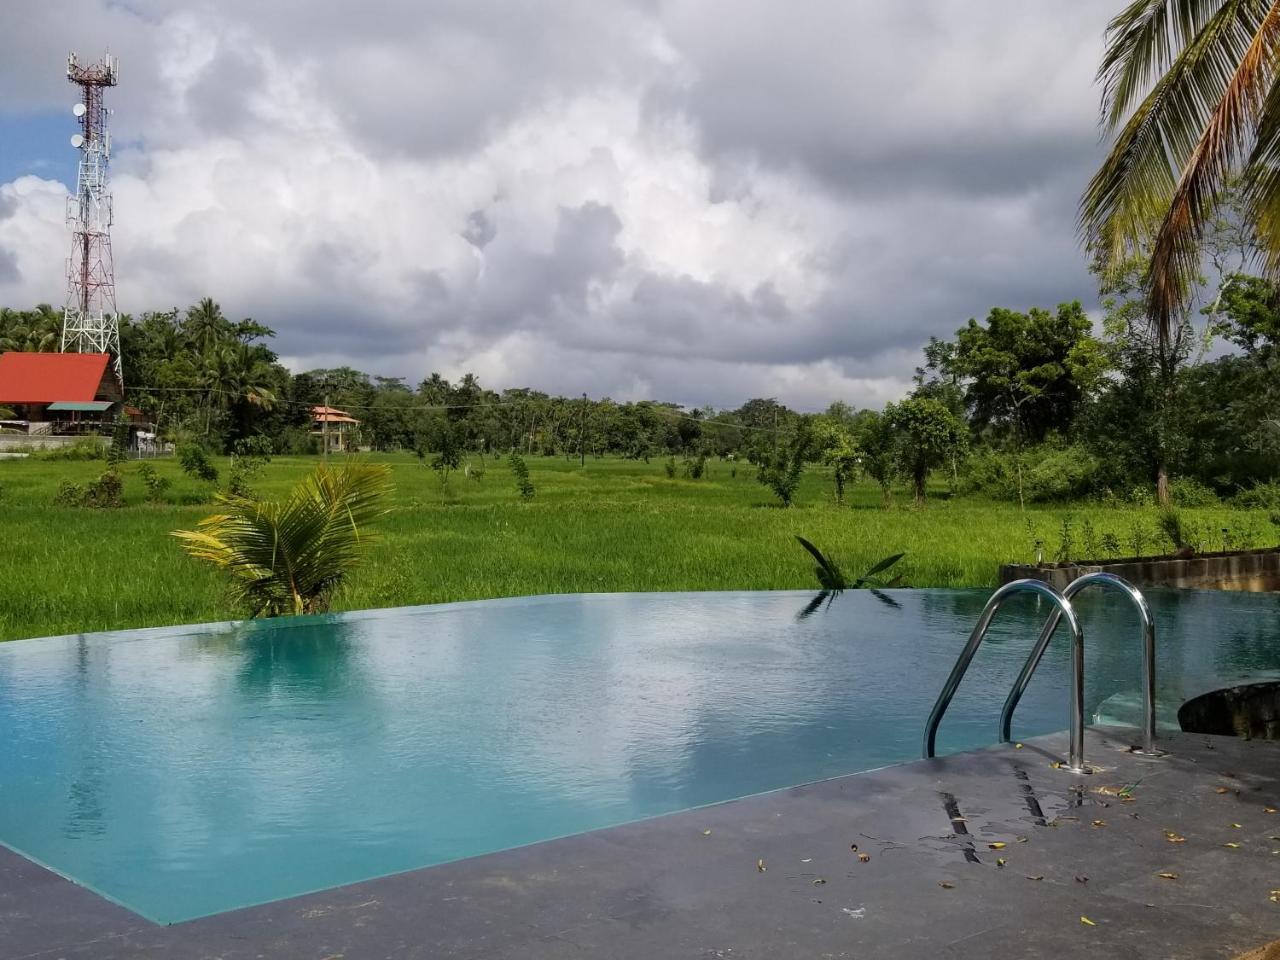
(58, 394)
(334, 427)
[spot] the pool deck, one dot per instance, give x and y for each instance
(777, 876)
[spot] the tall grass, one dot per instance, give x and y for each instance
(615, 525)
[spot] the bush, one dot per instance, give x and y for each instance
(1050, 473)
(70, 494)
(297, 441)
(670, 468)
(195, 462)
(521, 471)
(1264, 496)
(1190, 492)
(83, 448)
(106, 492)
(156, 485)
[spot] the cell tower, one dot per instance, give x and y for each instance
(89, 323)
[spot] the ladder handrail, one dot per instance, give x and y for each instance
(1148, 654)
(1064, 611)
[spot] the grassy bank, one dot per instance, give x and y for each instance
(613, 525)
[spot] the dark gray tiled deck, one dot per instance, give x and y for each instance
(665, 888)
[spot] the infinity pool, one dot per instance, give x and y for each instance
(190, 770)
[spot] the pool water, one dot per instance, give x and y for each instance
(190, 770)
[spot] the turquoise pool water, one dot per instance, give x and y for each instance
(190, 770)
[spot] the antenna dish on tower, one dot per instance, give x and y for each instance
(77, 141)
(78, 110)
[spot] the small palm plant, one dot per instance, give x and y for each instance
(288, 557)
(831, 579)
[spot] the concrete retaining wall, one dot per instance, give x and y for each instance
(1251, 570)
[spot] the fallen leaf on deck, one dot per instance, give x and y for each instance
(1275, 896)
(1231, 845)
(1001, 861)
(864, 857)
(1038, 876)
(819, 882)
(1082, 879)
(997, 845)
(760, 866)
(1087, 922)
(853, 846)
(1222, 790)
(1268, 809)
(810, 860)
(946, 884)
(1056, 765)
(1236, 825)
(959, 820)
(1017, 746)
(706, 833)
(1167, 876)
(1173, 837)
(1099, 823)
(1020, 839)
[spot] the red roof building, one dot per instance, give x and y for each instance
(58, 393)
(43, 378)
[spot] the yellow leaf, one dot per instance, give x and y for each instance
(864, 857)
(1017, 746)
(1167, 876)
(997, 845)
(1099, 823)
(1236, 825)
(1275, 896)
(706, 833)
(1001, 861)
(1173, 837)
(1231, 845)
(1087, 922)
(760, 866)
(1056, 765)
(1222, 790)
(1268, 809)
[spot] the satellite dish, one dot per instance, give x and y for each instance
(77, 141)
(78, 110)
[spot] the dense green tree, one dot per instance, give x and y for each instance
(927, 435)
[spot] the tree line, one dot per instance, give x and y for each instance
(1044, 404)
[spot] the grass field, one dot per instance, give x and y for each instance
(613, 525)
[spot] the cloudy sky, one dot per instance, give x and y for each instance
(698, 200)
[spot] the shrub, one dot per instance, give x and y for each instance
(1050, 473)
(156, 485)
(106, 492)
(69, 494)
(83, 448)
(695, 468)
(289, 556)
(521, 471)
(1190, 492)
(1171, 525)
(780, 470)
(670, 468)
(1265, 496)
(195, 462)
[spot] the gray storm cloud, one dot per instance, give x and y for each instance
(702, 201)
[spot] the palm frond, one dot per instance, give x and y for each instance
(1131, 190)
(1224, 141)
(829, 575)
(879, 567)
(1142, 42)
(289, 556)
(1261, 181)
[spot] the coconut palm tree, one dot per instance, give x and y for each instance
(1191, 92)
(288, 557)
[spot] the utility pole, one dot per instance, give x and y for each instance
(324, 427)
(582, 433)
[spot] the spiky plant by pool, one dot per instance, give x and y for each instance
(288, 556)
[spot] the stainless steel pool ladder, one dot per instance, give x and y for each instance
(1119, 584)
(1062, 610)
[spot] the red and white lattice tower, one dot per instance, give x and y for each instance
(89, 323)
